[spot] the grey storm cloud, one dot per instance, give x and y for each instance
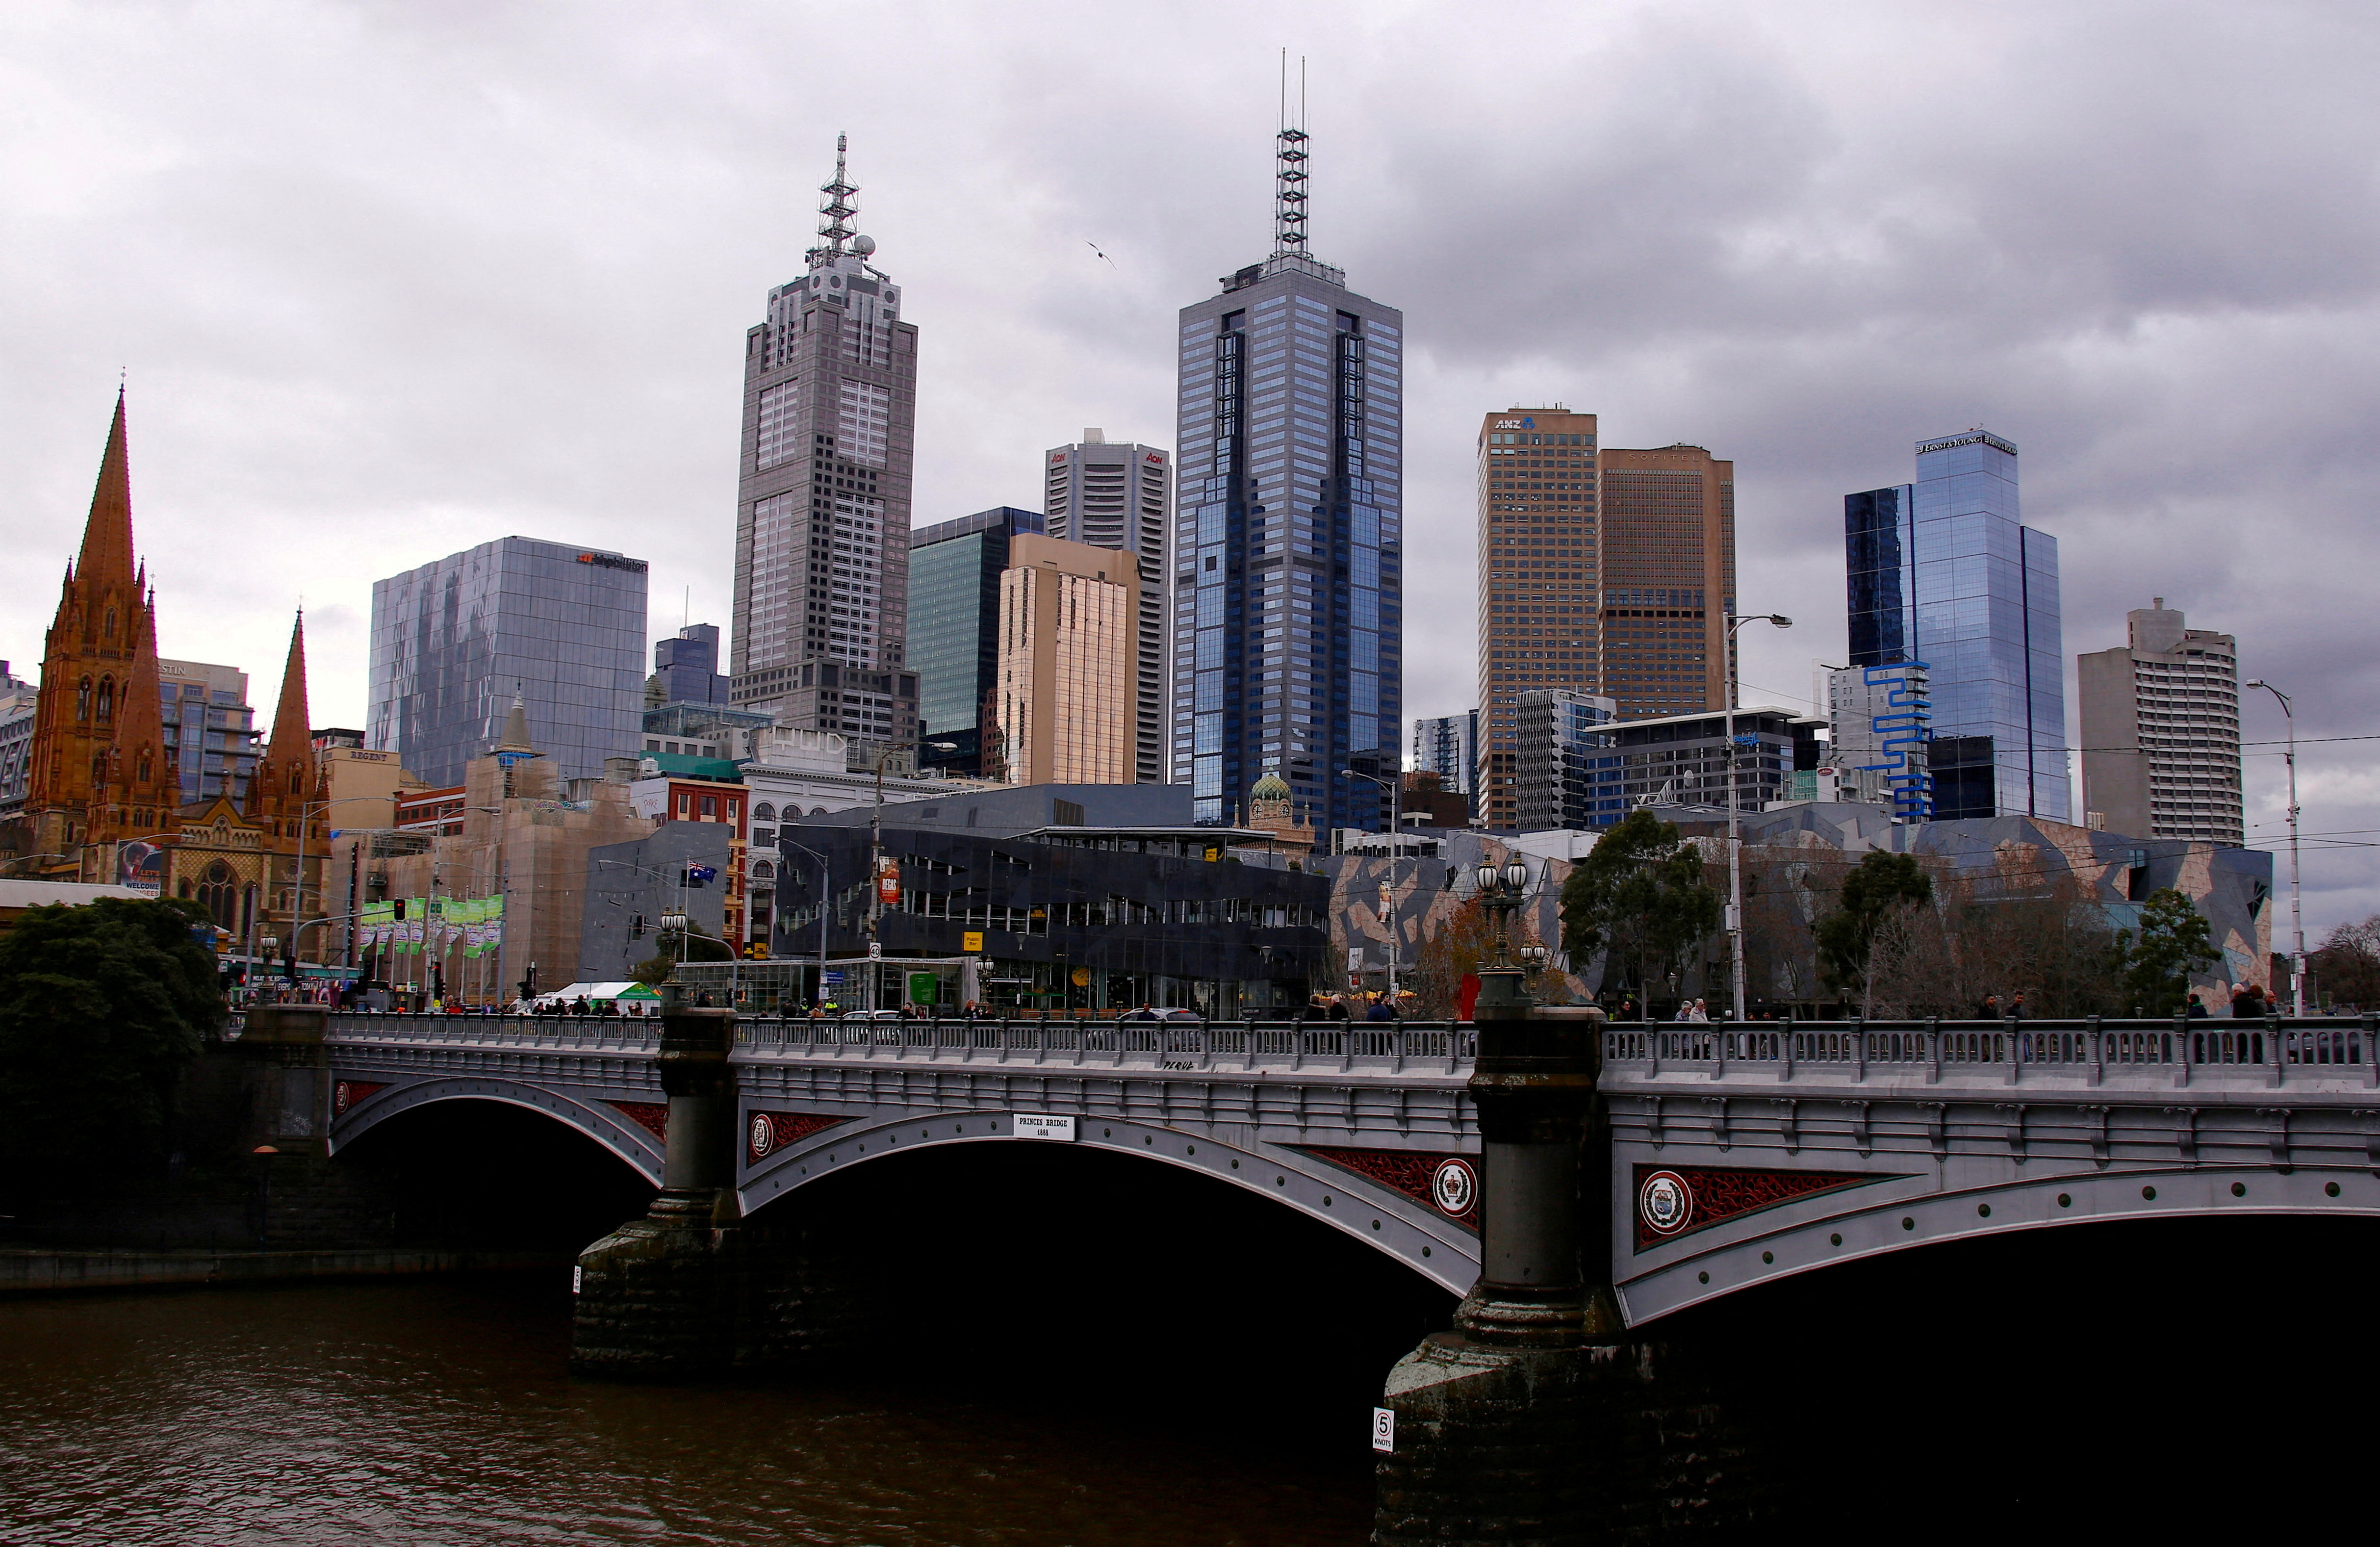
(389, 280)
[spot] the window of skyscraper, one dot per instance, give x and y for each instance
(780, 423)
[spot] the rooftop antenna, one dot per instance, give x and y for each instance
(835, 209)
(1289, 178)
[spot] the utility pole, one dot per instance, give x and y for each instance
(1736, 813)
(2297, 901)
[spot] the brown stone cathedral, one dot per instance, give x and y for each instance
(100, 789)
(102, 801)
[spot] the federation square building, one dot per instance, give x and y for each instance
(1288, 553)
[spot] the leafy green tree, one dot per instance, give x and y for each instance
(1639, 896)
(1878, 900)
(101, 1007)
(673, 947)
(2171, 944)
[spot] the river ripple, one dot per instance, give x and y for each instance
(439, 1412)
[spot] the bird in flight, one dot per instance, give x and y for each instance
(1103, 257)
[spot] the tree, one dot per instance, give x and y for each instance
(1638, 896)
(2346, 965)
(2171, 944)
(1873, 928)
(101, 1007)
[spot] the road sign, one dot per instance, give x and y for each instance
(1384, 1429)
(834, 976)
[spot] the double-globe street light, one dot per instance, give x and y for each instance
(2297, 912)
(1734, 811)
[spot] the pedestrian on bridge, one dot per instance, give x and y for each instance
(1990, 1009)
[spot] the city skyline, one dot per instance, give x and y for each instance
(587, 408)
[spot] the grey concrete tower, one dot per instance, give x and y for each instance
(1113, 494)
(1288, 570)
(2161, 731)
(822, 508)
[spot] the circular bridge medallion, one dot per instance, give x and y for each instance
(341, 1098)
(1665, 1202)
(1454, 1187)
(764, 1135)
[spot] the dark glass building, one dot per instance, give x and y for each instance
(954, 629)
(453, 641)
(1945, 572)
(1288, 558)
(688, 666)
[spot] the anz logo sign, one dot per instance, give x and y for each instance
(1529, 422)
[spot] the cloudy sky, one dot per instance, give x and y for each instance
(390, 280)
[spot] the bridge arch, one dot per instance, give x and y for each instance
(1881, 1220)
(598, 1120)
(1432, 1246)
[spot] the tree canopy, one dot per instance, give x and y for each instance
(1877, 900)
(101, 1007)
(2158, 961)
(1640, 897)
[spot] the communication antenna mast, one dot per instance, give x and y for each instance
(1289, 178)
(835, 209)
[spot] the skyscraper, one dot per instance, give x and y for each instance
(454, 641)
(1536, 586)
(822, 503)
(1606, 572)
(955, 596)
(1069, 633)
(2161, 731)
(1448, 745)
(1288, 632)
(687, 666)
(1121, 497)
(1562, 751)
(1945, 571)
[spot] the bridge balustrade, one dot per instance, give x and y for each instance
(588, 1034)
(2271, 1049)
(1445, 1045)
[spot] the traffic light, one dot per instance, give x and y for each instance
(400, 909)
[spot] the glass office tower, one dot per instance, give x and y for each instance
(453, 641)
(954, 634)
(1943, 571)
(1288, 572)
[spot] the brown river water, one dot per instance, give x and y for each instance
(440, 1411)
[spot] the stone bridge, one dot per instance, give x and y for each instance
(1365, 1128)
(1573, 1180)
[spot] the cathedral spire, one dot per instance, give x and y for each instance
(284, 779)
(108, 536)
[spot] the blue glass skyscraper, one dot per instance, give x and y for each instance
(1288, 559)
(1943, 571)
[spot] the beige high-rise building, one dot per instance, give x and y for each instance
(2161, 731)
(1601, 572)
(1069, 646)
(1120, 494)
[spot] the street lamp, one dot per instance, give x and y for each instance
(2297, 911)
(1735, 811)
(783, 843)
(1396, 840)
(875, 853)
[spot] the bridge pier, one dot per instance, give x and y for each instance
(1538, 1421)
(662, 1298)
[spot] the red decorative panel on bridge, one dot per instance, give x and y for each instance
(350, 1093)
(1674, 1201)
(1448, 1183)
(771, 1131)
(652, 1116)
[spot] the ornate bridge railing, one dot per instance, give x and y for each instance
(2275, 1051)
(1432, 1047)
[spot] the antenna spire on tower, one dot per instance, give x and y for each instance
(835, 208)
(1289, 176)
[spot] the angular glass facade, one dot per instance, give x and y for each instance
(453, 641)
(1944, 570)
